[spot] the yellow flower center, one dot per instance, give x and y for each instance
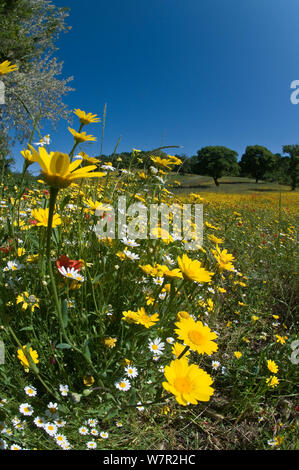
(195, 337)
(122, 384)
(182, 384)
(154, 346)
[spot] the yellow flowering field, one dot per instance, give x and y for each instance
(111, 342)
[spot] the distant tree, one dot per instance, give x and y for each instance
(293, 169)
(216, 162)
(257, 161)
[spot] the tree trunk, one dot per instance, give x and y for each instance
(216, 181)
(256, 180)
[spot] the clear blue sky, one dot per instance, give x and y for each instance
(199, 72)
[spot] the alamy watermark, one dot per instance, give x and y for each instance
(139, 222)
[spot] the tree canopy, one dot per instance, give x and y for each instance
(257, 161)
(216, 161)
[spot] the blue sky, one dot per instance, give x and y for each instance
(190, 72)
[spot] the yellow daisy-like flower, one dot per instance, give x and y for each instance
(81, 136)
(272, 381)
(215, 239)
(110, 342)
(165, 271)
(238, 354)
(88, 380)
(28, 156)
(193, 271)
(28, 301)
(58, 171)
(197, 336)
(23, 359)
(178, 348)
(272, 366)
(224, 259)
(86, 118)
(146, 320)
(7, 67)
(42, 216)
(89, 159)
(130, 316)
(281, 339)
(188, 383)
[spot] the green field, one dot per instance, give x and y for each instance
(228, 184)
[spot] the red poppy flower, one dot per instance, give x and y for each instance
(64, 261)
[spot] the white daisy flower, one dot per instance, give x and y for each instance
(26, 409)
(94, 432)
(83, 430)
(70, 273)
(60, 422)
(170, 340)
(61, 440)
(92, 422)
(156, 346)
(123, 385)
(131, 371)
(104, 435)
(216, 365)
(3, 444)
(39, 422)
(118, 424)
(91, 445)
(15, 447)
(30, 391)
(52, 411)
(50, 429)
(129, 242)
(132, 256)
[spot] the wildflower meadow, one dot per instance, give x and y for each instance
(135, 315)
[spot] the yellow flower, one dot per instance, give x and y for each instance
(42, 216)
(21, 251)
(89, 159)
(28, 301)
(238, 354)
(110, 342)
(7, 67)
(272, 381)
(254, 318)
(22, 356)
(165, 271)
(272, 366)
(146, 320)
(57, 170)
(215, 239)
(81, 136)
(197, 336)
(164, 162)
(188, 383)
(224, 259)
(182, 314)
(193, 271)
(281, 339)
(86, 118)
(28, 156)
(178, 348)
(88, 380)
(130, 316)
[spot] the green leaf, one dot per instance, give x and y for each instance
(63, 346)
(65, 317)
